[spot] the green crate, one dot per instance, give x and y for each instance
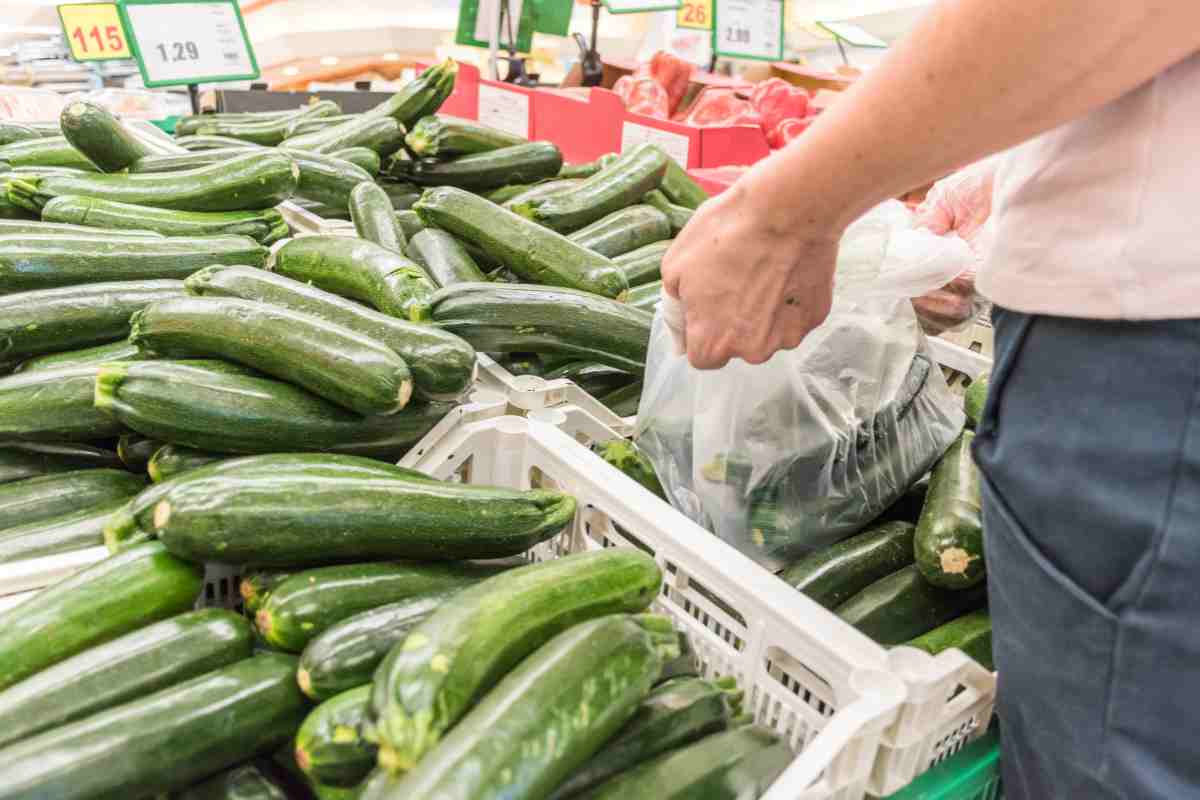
(972, 773)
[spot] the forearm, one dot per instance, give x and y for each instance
(975, 77)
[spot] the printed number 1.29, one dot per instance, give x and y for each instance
(179, 51)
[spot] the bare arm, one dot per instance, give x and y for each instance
(754, 270)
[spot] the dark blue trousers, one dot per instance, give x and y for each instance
(1090, 452)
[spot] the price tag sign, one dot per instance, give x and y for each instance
(639, 6)
(676, 145)
(504, 110)
(185, 41)
(93, 31)
(476, 18)
(695, 14)
(748, 29)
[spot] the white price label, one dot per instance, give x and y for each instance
(505, 110)
(190, 42)
(676, 145)
(749, 29)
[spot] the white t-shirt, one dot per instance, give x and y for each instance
(1100, 218)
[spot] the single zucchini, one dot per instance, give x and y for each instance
(329, 748)
(20, 460)
(443, 258)
(833, 575)
(346, 653)
(329, 360)
(410, 223)
(577, 690)
(374, 218)
(403, 195)
(420, 97)
(243, 782)
(644, 265)
(40, 228)
(268, 132)
(187, 124)
(251, 181)
(904, 606)
(623, 402)
(298, 127)
(739, 764)
(381, 134)
(49, 151)
(100, 354)
(675, 713)
(284, 518)
(518, 318)
(679, 188)
(534, 253)
(135, 451)
(621, 184)
(102, 138)
(16, 132)
(307, 603)
(645, 296)
(678, 216)
(537, 191)
(971, 633)
(200, 726)
(360, 270)
(522, 163)
(949, 539)
(128, 667)
(595, 379)
(624, 230)
(195, 143)
(54, 405)
(117, 595)
(266, 226)
(32, 263)
(256, 586)
(446, 137)
(172, 459)
(51, 320)
(586, 169)
(975, 400)
(442, 364)
(364, 158)
(228, 413)
(626, 457)
(425, 685)
(74, 530)
(46, 496)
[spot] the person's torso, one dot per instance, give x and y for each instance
(1100, 218)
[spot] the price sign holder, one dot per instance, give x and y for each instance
(93, 31)
(188, 42)
(751, 29)
(475, 18)
(640, 6)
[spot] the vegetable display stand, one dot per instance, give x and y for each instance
(973, 773)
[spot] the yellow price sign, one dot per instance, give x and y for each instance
(94, 31)
(695, 14)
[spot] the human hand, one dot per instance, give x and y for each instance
(748, 288)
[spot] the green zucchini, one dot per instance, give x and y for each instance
(100, 354)
(241, 414)
(265, 226)
(537, 191)
(679, 188)
(675, 713)
(570, 695)
(624, 230)
(46, 496)
(284, 518)
(975, 400)
(623, 402)
(364, 158)
(442, 364)
(403, 195)
(16, 132)
(949, 540)
(11, 211)
(117, 595)
(329, 747)
(833, 575)
(645, 296)
(374, 218)
(159, 655)
(197, 727)
(410, 223)
(522, 163)
(307, 603)
(360, 270)
(298, 127)
(152, 136)
(54, 405)
(971, 633)
(420, 97)
(534, 253)
(50, 320)
(20, 460)
(586, 169)
(187, 124)
(172, 459)
(425, 685)
(328, 179)
(330, 360)
(31, 263)
(518, 318)
(74, 530)
(48, 128)
(50, 151)
(738, 764)
(685, 665)
(446, 137)
(196, 143)
(256, 586)
(626, 457)
(621, 184)
(644, 265)
(135, 451)
(243, 782)
(384, 135)
(321, 210)
(346, 653)
(102, 138)
(40, 228)
(443, 258)
(267, 132)
(678, 216)
(595, 379)
(251, 181)
(904, 605)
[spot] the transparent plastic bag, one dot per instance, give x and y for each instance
(790, 456)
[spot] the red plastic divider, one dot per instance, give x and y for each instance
(464, 100)
(584, 128)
